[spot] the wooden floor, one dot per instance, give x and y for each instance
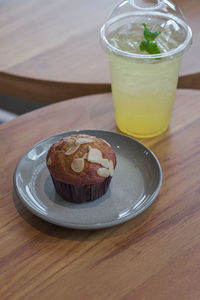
(6, 116)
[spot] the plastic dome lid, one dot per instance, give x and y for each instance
(162, 15)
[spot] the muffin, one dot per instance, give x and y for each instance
(81, 167)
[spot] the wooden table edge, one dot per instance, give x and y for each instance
(48, 91)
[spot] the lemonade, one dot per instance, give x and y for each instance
(143, 90)
(145, 41)
(143, 94)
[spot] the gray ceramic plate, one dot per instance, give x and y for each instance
(136, 183)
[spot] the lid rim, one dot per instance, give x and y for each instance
(172, 52)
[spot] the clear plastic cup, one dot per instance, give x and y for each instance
(143, 84)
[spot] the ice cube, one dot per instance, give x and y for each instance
(171, 36)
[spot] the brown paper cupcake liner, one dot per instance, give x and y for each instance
(81, 194)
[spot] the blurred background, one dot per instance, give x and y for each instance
(75, 26)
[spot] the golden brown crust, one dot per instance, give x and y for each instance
(59, 164)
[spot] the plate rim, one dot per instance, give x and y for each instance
(92, 225)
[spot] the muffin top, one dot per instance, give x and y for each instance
(81, 160)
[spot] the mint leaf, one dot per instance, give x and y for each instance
(149, 45)
(144, 45)
(149, 36)
(153, 48)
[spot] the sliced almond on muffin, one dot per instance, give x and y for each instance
(77, 165)
(103, 172)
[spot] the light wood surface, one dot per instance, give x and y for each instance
(154, 256)
(58, 43)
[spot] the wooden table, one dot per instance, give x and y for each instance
(50, 50)
(154, 256)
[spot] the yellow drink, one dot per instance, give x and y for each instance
(143, 79)
(143, 94)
